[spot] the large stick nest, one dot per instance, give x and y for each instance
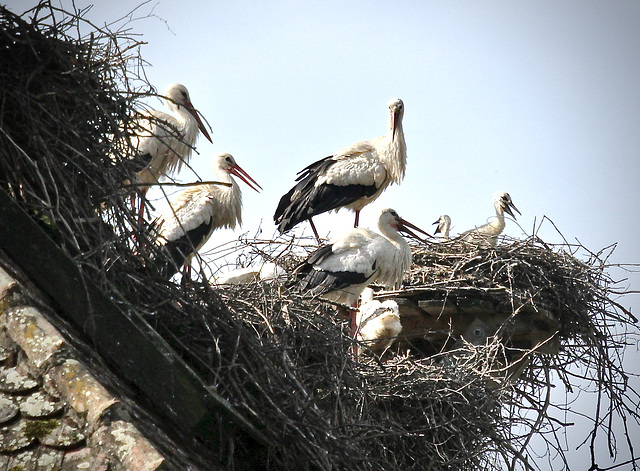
(70, 89)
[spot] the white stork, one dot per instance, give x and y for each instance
(164, 141)
(444, 224)
(267, 272)
(378, 322)
(196, 212)
(340, 270)
(487, 235)
(351, 178)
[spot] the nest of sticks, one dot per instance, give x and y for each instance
(283, 360)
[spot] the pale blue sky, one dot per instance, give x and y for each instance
(538, 98)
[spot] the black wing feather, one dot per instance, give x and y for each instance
(313, 200)
(319, 281)
(175, 252)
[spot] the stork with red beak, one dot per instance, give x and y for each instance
(188, 222)
(341, 270)
(351, 178)
(163, 141)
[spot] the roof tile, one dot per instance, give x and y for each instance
(40, 405)
(35, 335)
(132, 451)
(84, 393)
(16, 380)
(8, 409)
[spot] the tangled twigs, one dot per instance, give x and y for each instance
(280, 358)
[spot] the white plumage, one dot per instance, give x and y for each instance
(265, 272)
(340, 270)
(377, 322)
(164, 141)
(185, 226)
(487, 235)
(444, 225)
(351, 178)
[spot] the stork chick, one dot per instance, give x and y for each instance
(486, 236)
(378, 323)
(266, 272)
(444, 224)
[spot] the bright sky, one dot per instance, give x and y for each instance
(540, 99)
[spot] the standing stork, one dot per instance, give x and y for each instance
(165, 141)
(196, 212)
(487, 235)
(444, 224)
(341, 270)
(351, 178)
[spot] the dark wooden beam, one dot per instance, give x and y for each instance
(124, 340)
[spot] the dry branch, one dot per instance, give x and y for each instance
(281, 359)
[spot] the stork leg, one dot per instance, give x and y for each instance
(186, 274)
(142, 205)
(353, 329)
(355, 224)
(138, 247)
(315, 231)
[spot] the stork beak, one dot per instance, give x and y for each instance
(508, 207)
(201, 127)
(245, 177)
(395, 125)
(405, 227)
(437, 228)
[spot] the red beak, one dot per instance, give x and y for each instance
(201, 127)
(245, 177)
(406, 225)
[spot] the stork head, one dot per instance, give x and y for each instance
(503, 203)
(177, 96)
(443, 222)
(396, 110)
(389, 220)
(227, 163)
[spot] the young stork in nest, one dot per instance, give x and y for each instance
(444, 224)
(341, 270)
(188, 222)
(487, 235)
(164, 141)
(351, 178)
(377, 322)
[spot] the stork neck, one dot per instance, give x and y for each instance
(183, 115)
(395, 154)
(223, 175)
(498, 223)
(391, 233)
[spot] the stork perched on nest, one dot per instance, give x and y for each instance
(487, 234)
(340, 270)
(164, 141)
(188, 222)
(444, 224)
(351, 178)
(263, 272)
(377, 322)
